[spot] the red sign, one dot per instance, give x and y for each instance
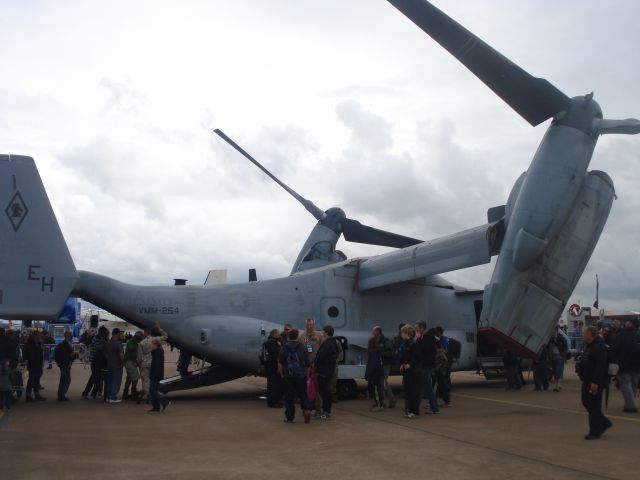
(575, 310)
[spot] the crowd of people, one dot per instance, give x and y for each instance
(609, 353)
(304, 368)
(140, 357)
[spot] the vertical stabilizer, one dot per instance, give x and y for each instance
(36, 270)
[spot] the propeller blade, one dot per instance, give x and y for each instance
(308, 204)
(629, 126)
(535, 99)
(354, 231)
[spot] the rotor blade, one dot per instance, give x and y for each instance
(629, 126)
(354, 231)
(308, 204)
(535, 99)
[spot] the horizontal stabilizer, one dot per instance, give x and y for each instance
(36, 270)
(461, 250)
(495, 213)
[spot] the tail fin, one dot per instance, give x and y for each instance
(37, 273)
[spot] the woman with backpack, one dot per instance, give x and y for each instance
(293, 366)
(324, 368)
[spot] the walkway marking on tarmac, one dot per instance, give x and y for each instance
(542, 407)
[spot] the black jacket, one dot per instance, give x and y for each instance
(627, 351)
(326, 358)
(388, 352)
(428, 344)
(374, 372)
(412, 355)
(156, 373)
(32, 354)
(64, 354)
(270, 352)
(5, 347)
(594, 366)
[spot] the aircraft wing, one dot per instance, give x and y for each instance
(445, 254)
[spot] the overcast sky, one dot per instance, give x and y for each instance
(347, 101)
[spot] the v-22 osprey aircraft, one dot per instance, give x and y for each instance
(543, 236)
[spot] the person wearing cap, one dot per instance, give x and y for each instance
(115, 362)
(131, 367)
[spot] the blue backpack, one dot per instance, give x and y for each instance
(293, 368)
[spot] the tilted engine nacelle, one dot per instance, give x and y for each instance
(526, 297)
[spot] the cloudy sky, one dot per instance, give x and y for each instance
(345, 100)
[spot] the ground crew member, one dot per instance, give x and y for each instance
(311, 339)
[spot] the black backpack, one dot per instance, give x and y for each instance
(293, 368)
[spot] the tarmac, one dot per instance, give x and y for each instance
(227, 432)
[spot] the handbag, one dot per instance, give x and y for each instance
(311, 388)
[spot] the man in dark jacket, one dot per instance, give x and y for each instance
(269, 360)
(293, 366)
(114, 354)
(428, 346)
(325, 368)
(627, 353)
(33, 355)
(593, 371)
(64, 358)
(156, 375)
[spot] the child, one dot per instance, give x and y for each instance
(5, 384)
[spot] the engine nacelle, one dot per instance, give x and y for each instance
(227, 340)
(522, 305)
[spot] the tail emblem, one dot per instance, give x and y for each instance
(17, 211)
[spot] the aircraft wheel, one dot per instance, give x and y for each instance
(347, 389)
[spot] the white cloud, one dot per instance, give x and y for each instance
(348, 102)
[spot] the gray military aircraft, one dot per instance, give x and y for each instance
(544, 236)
